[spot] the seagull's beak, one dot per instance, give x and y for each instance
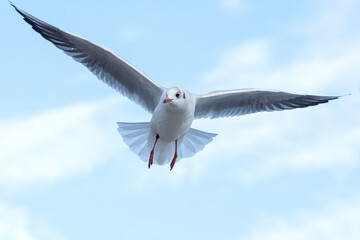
(167, 100)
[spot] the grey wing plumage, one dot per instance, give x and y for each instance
(246, 101)
(106, 65)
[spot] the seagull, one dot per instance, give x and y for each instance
(168, 137)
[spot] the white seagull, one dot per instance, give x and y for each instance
(168, 136)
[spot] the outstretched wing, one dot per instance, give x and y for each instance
(245, 101)
(106, 65)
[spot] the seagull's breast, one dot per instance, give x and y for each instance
(171, 123)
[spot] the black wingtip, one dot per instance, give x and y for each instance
(337, 97)
(345, 95)
(15, 8)
(12, 4)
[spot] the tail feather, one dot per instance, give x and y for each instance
(194, 141)
(136, 135)
(140, 139)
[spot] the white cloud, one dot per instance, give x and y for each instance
(233, 6)
(131, 34)
(338, 220)
(58, 143)
(251, 65)
(337, 152)
(333, 22)
(320, 137)
(17, 224)
(328, 56)
(238, 62)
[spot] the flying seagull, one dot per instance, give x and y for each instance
(168, 136)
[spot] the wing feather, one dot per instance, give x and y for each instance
(245, 101)
(106, 65)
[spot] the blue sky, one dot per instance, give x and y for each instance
(66, 174)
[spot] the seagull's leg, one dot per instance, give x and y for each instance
(152, 151)
(172, 164)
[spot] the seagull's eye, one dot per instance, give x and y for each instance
(177, 94)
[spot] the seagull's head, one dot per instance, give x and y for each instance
(175, 97)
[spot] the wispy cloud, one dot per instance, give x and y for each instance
(328, 56)
(239, 62)
(54, 144)
(332, 24)
(336, 152)
(233, 6)
(251, 64)
(17, 224)
(337, 220)
(130, 34)
(330, 67)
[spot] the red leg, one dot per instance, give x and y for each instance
(152, 152)
(172, 164)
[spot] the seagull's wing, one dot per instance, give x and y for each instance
(106, 65)
(245, 101)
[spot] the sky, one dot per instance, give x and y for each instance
(66, 174)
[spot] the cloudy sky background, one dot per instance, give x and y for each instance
(66, 174)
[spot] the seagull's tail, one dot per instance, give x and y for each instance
(194, 141)
(136, 136)
(140, 139)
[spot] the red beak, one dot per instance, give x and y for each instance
(167, 100)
